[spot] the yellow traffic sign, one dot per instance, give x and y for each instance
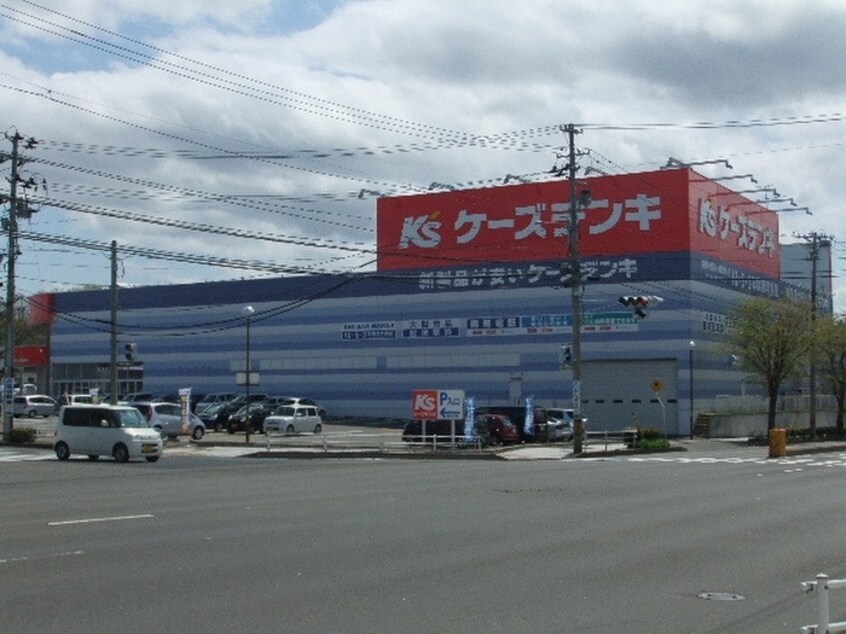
(657, 385)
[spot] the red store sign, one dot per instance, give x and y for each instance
(653, 212)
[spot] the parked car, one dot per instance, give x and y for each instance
(193, 399)
(215, 417)
(517, 415)
(251, 414)
(98, 430)
(500, 430)
(293, 419)
(166, 418)
(77, 399)
(559, 423)
(138, 397)
(239, 401)
(440, 429)
(32, 405)
(297, 400)
(213, 399)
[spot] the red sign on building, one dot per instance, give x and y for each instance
(665, 211)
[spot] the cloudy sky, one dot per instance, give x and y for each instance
(257, 134)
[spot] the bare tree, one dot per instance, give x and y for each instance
(773, 340)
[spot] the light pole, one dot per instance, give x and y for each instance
(248, 312)
(690, 354)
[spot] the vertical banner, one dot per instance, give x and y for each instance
(470, 419)
(185, 401)
(529, 426)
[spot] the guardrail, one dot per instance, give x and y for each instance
(362, 442)
(820, 588)
(436, 441)
(626, 437)
(325, 442)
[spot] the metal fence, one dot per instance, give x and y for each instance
(626, 437)
(364, 441)
(820, 588)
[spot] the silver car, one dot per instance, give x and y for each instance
(32, 405)
(559, 423)
(166, 418)
(293, 419)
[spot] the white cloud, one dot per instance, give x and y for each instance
(396, 83)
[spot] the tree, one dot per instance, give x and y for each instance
(831, 355)
(773, 339)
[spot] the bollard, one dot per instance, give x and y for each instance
(778, 442)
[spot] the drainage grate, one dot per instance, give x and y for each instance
(721, 596)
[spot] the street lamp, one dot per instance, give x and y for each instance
(248, 312)
(690, 353)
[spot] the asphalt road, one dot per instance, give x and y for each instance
(203, 544)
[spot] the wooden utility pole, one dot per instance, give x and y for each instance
(113, 342)
(577, 200)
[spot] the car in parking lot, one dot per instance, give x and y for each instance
(441, 431)
(32, 405)
(500, 430)
(215, 417)
(292, 419)
(299, 400)
(77, 399)
(251, 415)
(167, 419)
(213, 399)
(559, 423)
(137, 397)
(105, 430)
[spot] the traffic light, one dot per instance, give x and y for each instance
(639, 303)
(131, 348)
(566, 355)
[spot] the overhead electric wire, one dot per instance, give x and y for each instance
(160, 254)
(254, 88)
(314, 215)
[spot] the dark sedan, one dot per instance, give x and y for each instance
(251, 415)
(215, 417)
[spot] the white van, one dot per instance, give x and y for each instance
(105, 430)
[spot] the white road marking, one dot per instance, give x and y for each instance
(12, 560)
(13, 455)
(93, 520)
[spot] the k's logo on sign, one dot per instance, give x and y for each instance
(424, 404)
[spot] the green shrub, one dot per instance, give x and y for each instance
(649, 433)
(654, 444)
(20, 435)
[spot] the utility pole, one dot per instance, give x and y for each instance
(576, 201)
(11, 226)
(817, 241)
(113, 368)
(9, 354)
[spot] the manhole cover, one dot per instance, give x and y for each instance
(721, 596)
